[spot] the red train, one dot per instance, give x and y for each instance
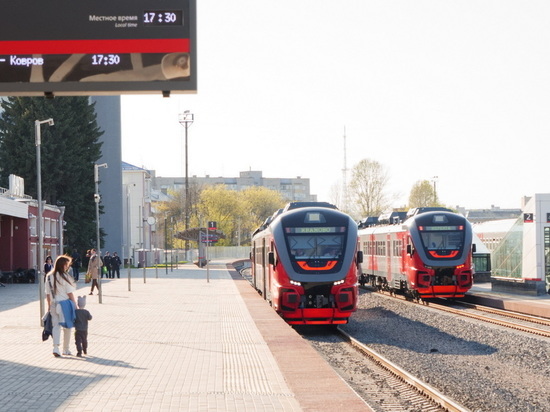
(427, 256)
(305, 263)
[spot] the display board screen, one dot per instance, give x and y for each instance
(97, 47)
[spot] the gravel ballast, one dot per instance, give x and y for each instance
(481, 366)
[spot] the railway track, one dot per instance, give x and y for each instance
(415, 392)
(520, 322)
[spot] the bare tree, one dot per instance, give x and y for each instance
(368, 188)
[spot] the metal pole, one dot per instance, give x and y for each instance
(38, 143)
(97, 198)
(186, 119)
(206, 257)
(40, 229)
(129, 236)
(186, 191)
(165, 245)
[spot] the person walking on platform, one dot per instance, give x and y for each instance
(94, 265)
(60, 295)
(115, 265)
(76, 264)
(81, 327)
(107, 266)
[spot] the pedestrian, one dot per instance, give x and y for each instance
(81, 327)
(107, 266)
(115, 265)
(76, 265)
(94, 265)
(60, 295)
(48, 265)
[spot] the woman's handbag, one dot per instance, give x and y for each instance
(88, 278)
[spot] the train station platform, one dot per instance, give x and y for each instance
(174, 342)
(482, 294)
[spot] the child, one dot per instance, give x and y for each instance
(81, 327)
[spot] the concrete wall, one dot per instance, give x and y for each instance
(110, 186)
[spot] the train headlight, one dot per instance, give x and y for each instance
(339, 282)
(293, 282)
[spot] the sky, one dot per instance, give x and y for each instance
(454, 89)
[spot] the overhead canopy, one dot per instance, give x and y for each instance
(10, 207)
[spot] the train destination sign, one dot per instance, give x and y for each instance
(64, 47)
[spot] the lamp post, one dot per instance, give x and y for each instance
(97, 199)
(128, 236)
(434, 180)
(186, 120)
(38, 142)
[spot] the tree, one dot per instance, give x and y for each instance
(222, 205)
(422, 195)
(173, 214)
(367, 188)
(258, 204)
(68, 152)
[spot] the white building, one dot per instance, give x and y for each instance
(138, 221)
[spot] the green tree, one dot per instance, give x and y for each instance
(219, 204)
(368, 187)
(422, 195)
(258, 204)
(68, 152)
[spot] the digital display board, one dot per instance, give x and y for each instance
(67, 47)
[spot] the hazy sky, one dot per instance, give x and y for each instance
(454, 89)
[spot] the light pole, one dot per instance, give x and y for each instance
(186, 120)
(434, 180)
(97, 199)
(38, 142)
(128, 236)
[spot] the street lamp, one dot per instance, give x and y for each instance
(186, 120)
(38, 142)
(97, 199)
(434, 180)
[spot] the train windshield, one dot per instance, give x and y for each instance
(316, 248)
(442, 241)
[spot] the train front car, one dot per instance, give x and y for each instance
(315, 265)
(439, 256)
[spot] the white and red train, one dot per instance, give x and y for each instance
(305, 264)
(427, 256)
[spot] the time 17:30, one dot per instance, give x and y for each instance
(105, 59)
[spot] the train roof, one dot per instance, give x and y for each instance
(297, 205)
(292, 206)
(418, 210)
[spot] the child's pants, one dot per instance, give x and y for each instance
(81, 339)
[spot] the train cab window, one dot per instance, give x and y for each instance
(316, 248)
(442, 241)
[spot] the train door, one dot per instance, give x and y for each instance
(254, 268)
(265, 268)
(270, 273)
(388, 253)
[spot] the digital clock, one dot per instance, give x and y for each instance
(105, 59)
(162, 17)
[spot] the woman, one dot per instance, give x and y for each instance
(93, 269)
(60, 295)
(48, 266)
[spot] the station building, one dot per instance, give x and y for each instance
(520, 248)
(19, 231)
